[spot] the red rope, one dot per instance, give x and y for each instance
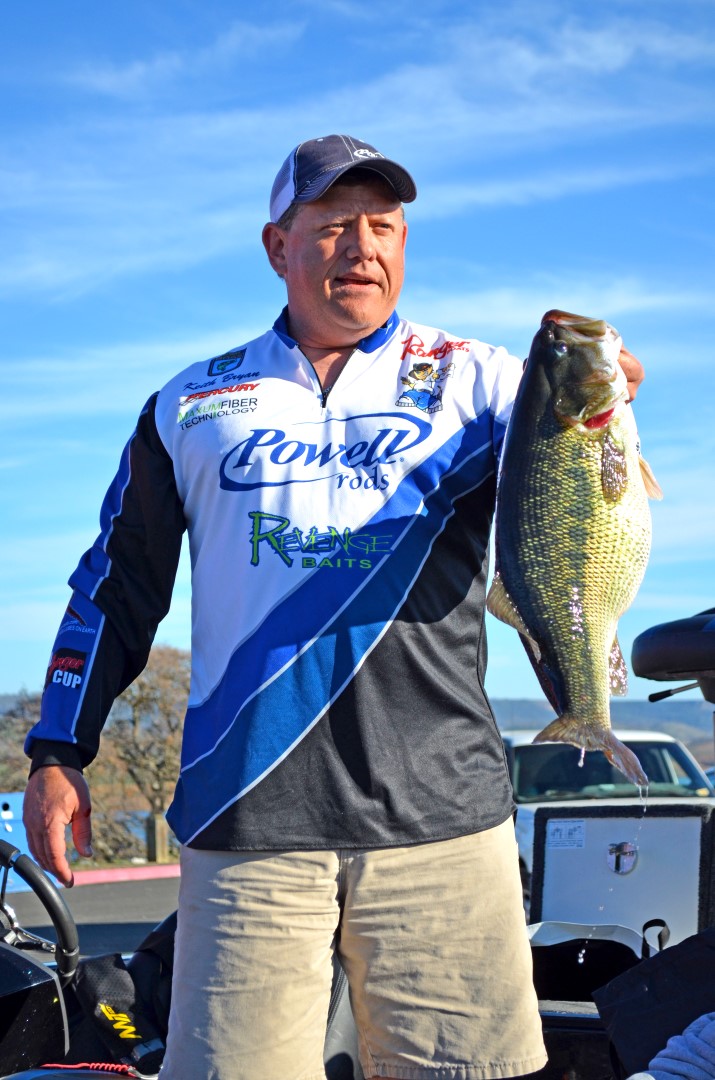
(96, 1066)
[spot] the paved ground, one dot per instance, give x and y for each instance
(111, 916)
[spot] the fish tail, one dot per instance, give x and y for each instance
(570, 729)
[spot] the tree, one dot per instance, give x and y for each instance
(146, 722)
(15, 723)
(141, 751)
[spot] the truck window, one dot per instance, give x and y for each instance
(551, 771)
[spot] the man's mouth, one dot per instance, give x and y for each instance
(350, 279)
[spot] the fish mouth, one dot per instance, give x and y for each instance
(600, 377)
(580, 327)
(599, 420)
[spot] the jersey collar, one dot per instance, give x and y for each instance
(368, 344)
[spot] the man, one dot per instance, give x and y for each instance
(343, 782)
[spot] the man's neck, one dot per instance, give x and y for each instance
(328, 362)
(327, 359)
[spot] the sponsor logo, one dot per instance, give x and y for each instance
(366, 154)
(273, 457)
(201, 409)
(415, 346)
(229, 361)
(330, 547)
(66, 668)
(237, 389)
(423, 390)
(226, 378)
(73, 621)
(121, 1023)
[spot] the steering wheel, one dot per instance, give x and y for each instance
(66, 949)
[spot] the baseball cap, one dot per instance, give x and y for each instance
(313, 166)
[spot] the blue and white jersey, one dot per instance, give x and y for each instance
(338, 550)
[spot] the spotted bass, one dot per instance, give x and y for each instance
(573, 527)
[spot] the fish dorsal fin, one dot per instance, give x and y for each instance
(617, 671)
(501, 605)
(614, 470)
(652, 487)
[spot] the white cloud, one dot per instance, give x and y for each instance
(126, 80)
(513, 314)
(442, 199)
(141, 77)
(128, 373)
(121, 194)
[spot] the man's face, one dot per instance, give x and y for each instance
(342, 261)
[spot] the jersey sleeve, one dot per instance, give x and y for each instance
(121, 591)
(506, 373)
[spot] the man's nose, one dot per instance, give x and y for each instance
(362, 240)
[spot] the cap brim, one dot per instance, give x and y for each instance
(398, 178)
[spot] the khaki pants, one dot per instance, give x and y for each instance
(432, 938)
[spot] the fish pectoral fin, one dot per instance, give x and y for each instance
(614, 470)
(652, 487)
(502, 607)
(617, 671)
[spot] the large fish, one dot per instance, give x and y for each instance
(573, 527)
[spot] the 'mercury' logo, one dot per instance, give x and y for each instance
(271, 457)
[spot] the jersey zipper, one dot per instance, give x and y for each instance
(325, 390)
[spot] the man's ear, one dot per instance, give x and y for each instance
(274, 243)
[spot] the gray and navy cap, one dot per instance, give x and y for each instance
(313, 166)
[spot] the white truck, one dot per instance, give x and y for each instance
(548, 774)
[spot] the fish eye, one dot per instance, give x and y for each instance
(561, 347)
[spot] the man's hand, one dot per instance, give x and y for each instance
(633, 370)
(57, 796)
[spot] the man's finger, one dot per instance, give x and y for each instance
(82, 832)
(633, 370)
(56, 854)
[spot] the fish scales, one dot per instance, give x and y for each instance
(573, 528)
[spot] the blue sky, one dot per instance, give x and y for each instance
(564, 157)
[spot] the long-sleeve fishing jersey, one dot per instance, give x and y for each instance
(338, 550)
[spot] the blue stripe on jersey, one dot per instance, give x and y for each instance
(270, 722)
(95, 564)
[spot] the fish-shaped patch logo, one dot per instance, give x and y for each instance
(230, 361)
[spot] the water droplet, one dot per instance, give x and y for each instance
(582, 758)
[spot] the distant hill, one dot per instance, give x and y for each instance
(689, 721)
